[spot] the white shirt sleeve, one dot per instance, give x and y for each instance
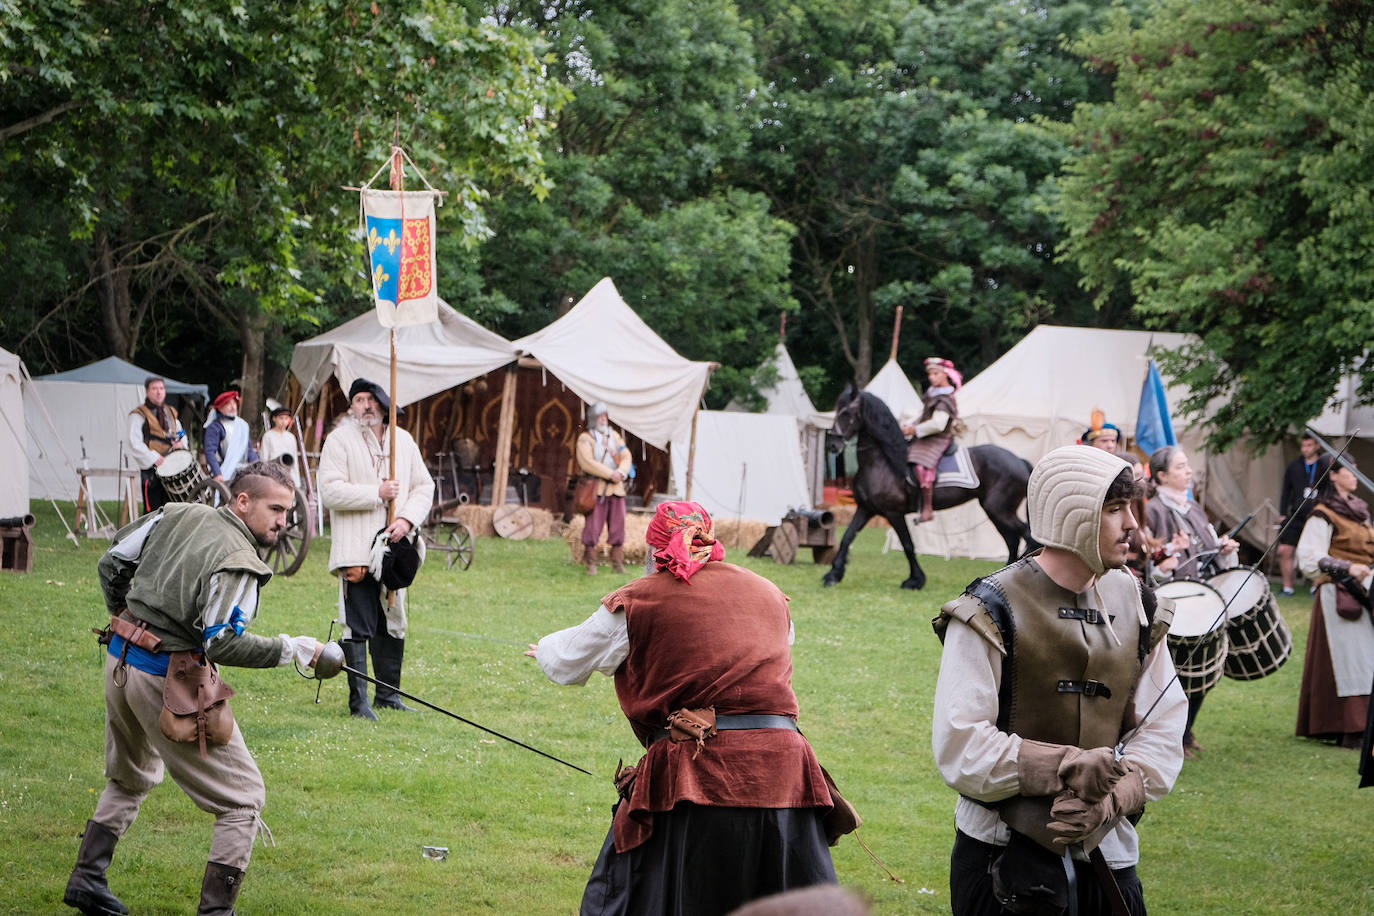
(936, 424)
(1157, 747)
(599, 643)
(143, 455)
(1314, 544)
(974, 756)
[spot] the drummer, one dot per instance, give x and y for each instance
(1192, 549)
(1337, 543)
(154, 430)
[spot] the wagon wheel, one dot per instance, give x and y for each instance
(824, 556)
(784, 545)
(212, 492)
(287, 555)
(459, 545)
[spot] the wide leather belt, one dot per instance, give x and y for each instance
(741, 722)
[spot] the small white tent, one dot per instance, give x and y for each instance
(893, 388)
(602, 351)
(14, 483)
(85, 411)
(749, 466)
(788, 397)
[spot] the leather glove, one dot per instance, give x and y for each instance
(302, 649)
(1048, 769)
(1073, 819)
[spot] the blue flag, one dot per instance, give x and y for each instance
(1153, 428)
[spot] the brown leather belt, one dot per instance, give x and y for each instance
(134, 631)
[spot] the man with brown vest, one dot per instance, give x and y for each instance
(1057, 713)
(154, 430)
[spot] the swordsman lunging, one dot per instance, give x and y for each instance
(182, 587)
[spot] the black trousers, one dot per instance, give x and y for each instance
(154, 495)
(970, 883)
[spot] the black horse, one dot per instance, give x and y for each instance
(880, 487)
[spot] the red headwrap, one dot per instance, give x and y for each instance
(683, 539)
(219, 402)
(956, 378)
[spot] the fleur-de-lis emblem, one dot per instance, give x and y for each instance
(379, 276)
(391, 240)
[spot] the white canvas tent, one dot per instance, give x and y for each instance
(788, 397)
(893, 388)
(602, 351)
(14, 483)
(749, 466)
(85, 410)
(429, 357)
(1041, 393)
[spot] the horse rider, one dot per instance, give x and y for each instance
(929, 435)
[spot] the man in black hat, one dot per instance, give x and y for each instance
(355, 486)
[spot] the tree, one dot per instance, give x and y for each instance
(641, 160)
(1225, 187)
(187, 156)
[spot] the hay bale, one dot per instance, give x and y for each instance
(478, 518)
(737, 537)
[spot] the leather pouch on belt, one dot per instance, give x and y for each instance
(843, 817)
(195, 702)
(692, 725)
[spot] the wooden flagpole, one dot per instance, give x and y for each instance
(896, 333)
(398, 183)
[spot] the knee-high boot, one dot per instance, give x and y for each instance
(387, 654)
(87, 889)
(355, 656)
(927, 503)
(219, 889)
(589, 559)
(618, 559)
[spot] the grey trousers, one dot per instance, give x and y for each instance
(227, 785)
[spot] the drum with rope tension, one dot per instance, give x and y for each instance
(1197, 636)
(1258, 638)
(181, 476)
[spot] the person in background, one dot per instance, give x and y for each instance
(727, 804)
(1103, 435)
(279, 441)
(1300, 483)
(601, 452)
(1049, 667)
(930, 433)
(182, 586)
(154, 430)
(1191, 547)
(228, 438)
(1336, 551)
(355, 488)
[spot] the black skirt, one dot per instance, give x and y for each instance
(707, 861)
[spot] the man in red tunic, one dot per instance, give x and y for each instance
(726, 805)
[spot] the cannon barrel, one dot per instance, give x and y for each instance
(287, 458)
(815, 518)
(18, 521)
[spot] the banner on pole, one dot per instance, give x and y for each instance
(399, 226)
(1154, 429)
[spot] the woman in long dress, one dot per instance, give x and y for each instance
(1192, 549)
(1337, 544)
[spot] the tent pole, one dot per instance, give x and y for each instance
(503, 437)
(691, 456)
(896, 333)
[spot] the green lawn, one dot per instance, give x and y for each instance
(1265, 823)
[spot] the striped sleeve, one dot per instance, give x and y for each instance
(231, 605)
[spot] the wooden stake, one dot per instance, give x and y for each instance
(896, 333)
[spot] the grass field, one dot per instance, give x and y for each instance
(1264, 823)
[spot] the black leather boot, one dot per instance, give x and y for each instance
(87, 889)
(387, 655)
(355, 656)
(219, 889)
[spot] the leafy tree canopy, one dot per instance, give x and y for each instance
(1225, 186)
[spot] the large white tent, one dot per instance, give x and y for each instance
(14, 483)
(602, 351)
(429, 357)
(1041, 393)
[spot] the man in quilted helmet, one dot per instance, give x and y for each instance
(1057, 712)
